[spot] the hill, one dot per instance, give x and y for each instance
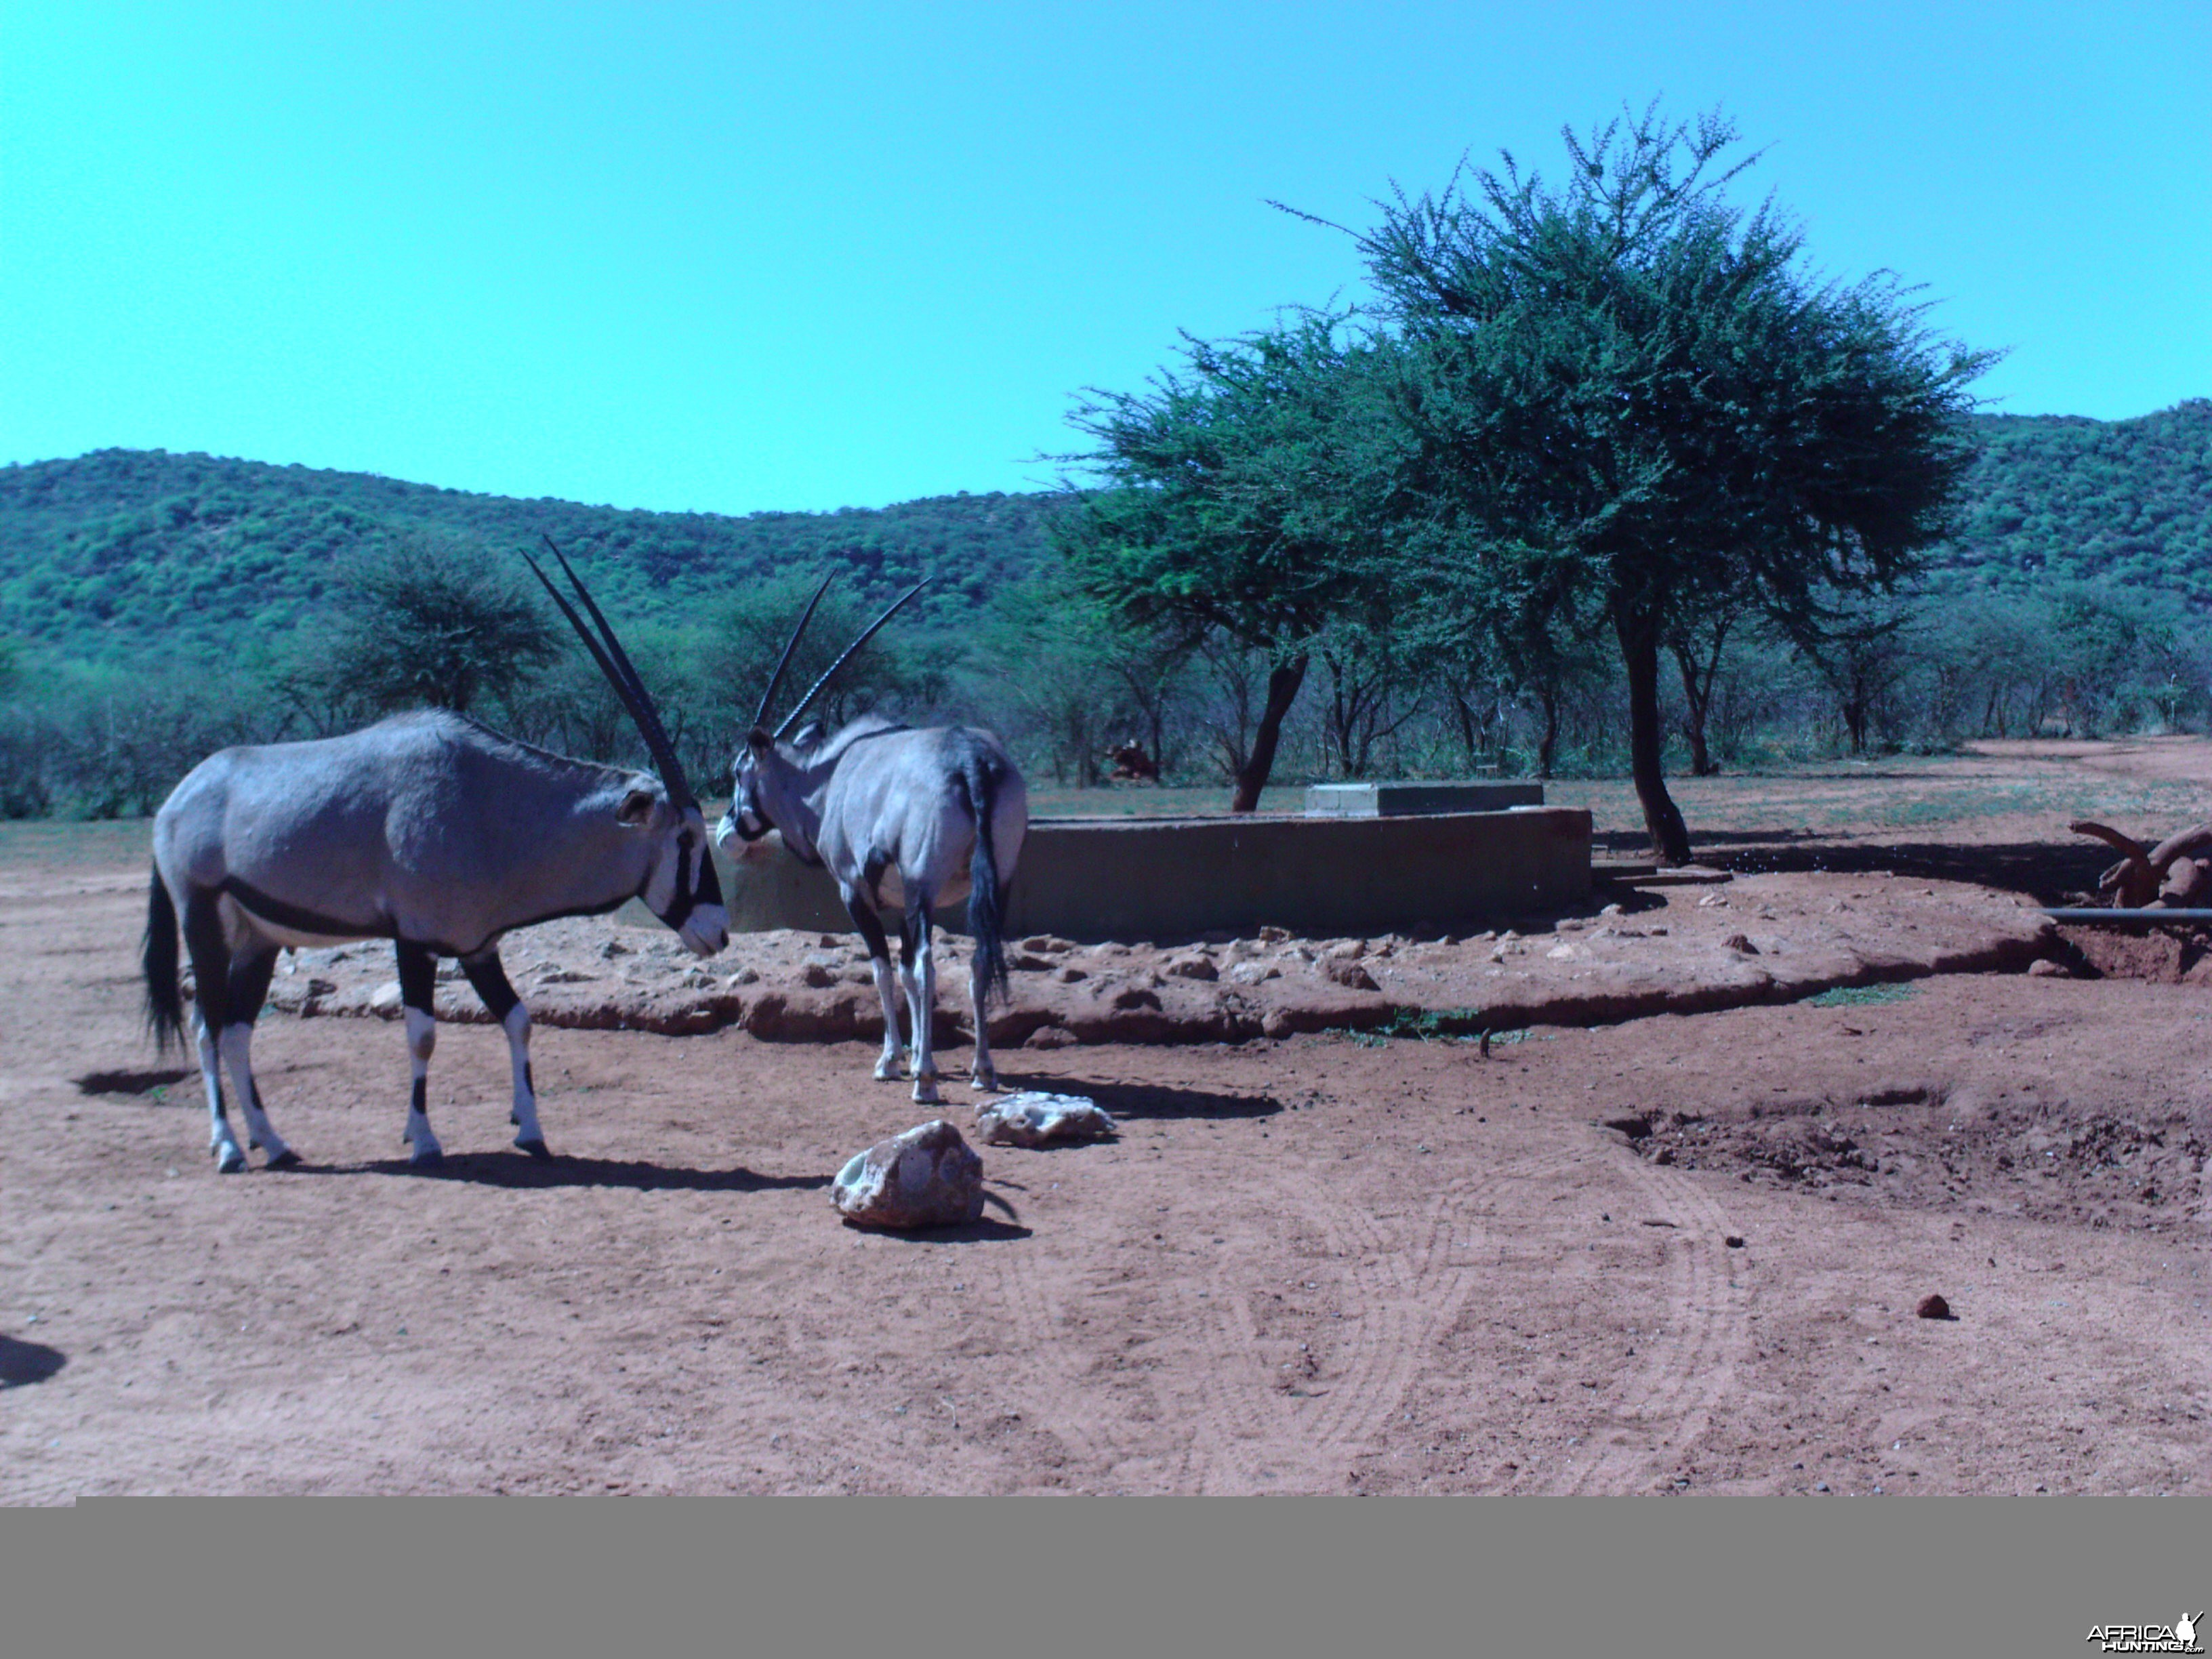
(2055, 498)
(119, 552)
(123, 552)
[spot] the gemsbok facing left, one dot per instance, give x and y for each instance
(431, 830)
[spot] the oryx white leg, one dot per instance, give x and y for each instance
(922, 997)
(237, 1046)
(247, 989)
(418, 987)
(490, 979)
(862, 910)
(422, 1044)
(229, 1155)
(527, 1136)
(891, 1065)
(982, 1073)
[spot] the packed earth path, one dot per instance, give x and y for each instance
(1667, 1253)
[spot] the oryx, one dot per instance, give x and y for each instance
(905, 819)
(431, 830)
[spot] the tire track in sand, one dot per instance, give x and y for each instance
(1668, 1403)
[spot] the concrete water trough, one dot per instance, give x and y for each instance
(1162, 880)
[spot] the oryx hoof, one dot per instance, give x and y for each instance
(986, 1081)
(925, 1092)
(537, 1149)
(228, 1160)
(888, 1070)
(426, 1157)
(251, 1145)
(515, 1118)
(287, 1159)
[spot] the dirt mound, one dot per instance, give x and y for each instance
(1758, 939)
(2097, 1169)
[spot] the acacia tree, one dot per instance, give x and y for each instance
(1245, 499)
(1625, 386)
(429, 622)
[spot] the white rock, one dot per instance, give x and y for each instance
(926, 1177)
(1036, 1119)
(386, 999)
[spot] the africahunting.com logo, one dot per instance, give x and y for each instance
(2179, 1636)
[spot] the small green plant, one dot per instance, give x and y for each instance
(1859, 996)
(1435, 1025)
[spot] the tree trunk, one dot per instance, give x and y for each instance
(1698, 697)
(1639, 652)
(1548, 746)
(1283, 683)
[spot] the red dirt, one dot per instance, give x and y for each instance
(1319, 1263)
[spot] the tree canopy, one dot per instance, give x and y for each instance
(1247, 496)
(1627, 388)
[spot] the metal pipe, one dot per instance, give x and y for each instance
(2078, 916)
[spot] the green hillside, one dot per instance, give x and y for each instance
(2057, 498)
(123, 552)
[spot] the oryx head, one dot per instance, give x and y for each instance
(680, 885)
(769, 779)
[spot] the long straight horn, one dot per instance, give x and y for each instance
(791, 719)
(614, 662)
(790, 646)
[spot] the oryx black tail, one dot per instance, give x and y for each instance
(983, 774)
(165, 997)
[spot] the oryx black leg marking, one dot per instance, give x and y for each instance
(419, 991)
(871, 925)
(210, 950)
(982, 1073)
(489, 978)
(921, 968)
(247, 989)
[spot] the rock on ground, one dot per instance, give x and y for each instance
(1036, 1119)
(926, 1177)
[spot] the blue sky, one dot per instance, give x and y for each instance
(733, 258)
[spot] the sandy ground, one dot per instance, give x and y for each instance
(1675, 1253)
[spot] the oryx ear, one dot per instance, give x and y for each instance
(637, 807)
(759, 741)
(810, 736)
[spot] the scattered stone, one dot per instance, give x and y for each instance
(829, 941)
(1037, 1119)
(1051, 1036)
(1273, 935)
(386, 998)
(1348, 973)
(612, 948)
(1740, 945)
(1935, 1307)
(1350, 949)
(1254, 973)
(1560, 953)
(1612, 910)
(1069, 974)
(744, 977)
(1048, 943)
(2045, 968)
(819, 974)
(926, 1177)
(1191, 967)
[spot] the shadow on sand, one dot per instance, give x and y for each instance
(22, 1363)
(516, 1170)
(1144, 1099)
